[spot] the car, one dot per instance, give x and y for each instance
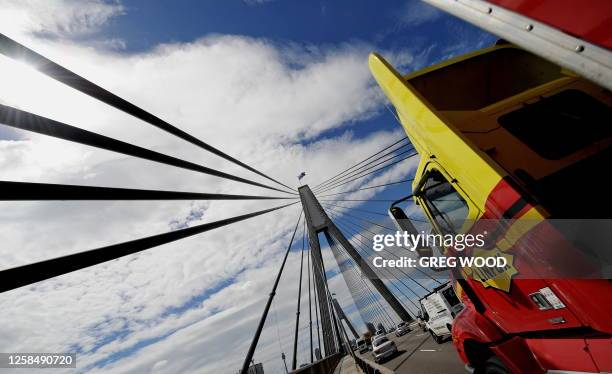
(383, 348)
(379, 333)
(402, 329)
(362, 346)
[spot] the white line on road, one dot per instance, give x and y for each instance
(428, 350)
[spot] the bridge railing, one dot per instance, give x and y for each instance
(326, 365)
(369, 367)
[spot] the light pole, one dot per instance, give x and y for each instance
(285, 362)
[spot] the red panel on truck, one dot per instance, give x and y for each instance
(590, 20)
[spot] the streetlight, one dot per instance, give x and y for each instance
(285, 362)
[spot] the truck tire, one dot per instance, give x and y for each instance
(436, 338)
(494, 366)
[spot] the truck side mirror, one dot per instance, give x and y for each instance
(403, 223)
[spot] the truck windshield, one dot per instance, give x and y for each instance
(445, 205)
(450, 296)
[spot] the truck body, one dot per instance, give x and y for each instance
(511, 140)
(439, 308)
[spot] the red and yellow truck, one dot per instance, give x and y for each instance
(511, 141)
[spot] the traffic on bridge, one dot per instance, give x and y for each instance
(491, 254)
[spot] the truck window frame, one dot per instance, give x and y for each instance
(472, 210)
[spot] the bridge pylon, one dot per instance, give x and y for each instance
(318, 221)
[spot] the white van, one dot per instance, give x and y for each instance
(439, 309)
(362, 346)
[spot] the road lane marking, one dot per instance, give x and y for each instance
(428, 350)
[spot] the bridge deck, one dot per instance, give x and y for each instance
(419, 354)
(347, 366)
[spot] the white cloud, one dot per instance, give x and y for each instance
(189, 306)
(57, 17)
(264, 102)
(417, 12)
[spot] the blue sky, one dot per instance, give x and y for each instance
(392, 25)
(283, 84)
(147, 23)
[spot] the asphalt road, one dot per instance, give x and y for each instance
(419, 354)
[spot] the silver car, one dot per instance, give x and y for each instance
(383, 348)
(402, 329)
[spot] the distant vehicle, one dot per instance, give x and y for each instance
(439, 309)
(254, 369)
(402, 329)
(421, 321)
(367, 336)
(383, 348)
(379, 333)
(362, 346)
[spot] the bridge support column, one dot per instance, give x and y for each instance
(318, 221)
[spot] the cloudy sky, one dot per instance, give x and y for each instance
(282, 84)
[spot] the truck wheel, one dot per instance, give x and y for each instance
(494, 366)
(435, 337)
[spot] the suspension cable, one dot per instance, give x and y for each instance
(377, 302)
(357, 209)
(372, 200)
(299, 299)
(387, 251)
(326, 202)
(369, 188)
(309, 300)
(17, 51)
(357, 170)
(371, 222)
(362, 219)
(360, 174)
(369, 173)
(38, 271)
(31, 122)
(364, 248)
(360, 244)
(382, 308)
(23, 191)
(316, 304)
(264, 316)
(362, 161)
(352, 278)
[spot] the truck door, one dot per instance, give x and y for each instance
(451, 300)
(520, 304)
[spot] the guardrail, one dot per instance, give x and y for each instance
(369, 367)
(323, 366)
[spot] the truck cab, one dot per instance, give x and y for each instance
(512, 145)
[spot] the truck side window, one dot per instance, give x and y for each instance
(445, 205)
(450, 296)
(576, 119)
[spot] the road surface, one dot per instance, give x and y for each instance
(419, 354)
